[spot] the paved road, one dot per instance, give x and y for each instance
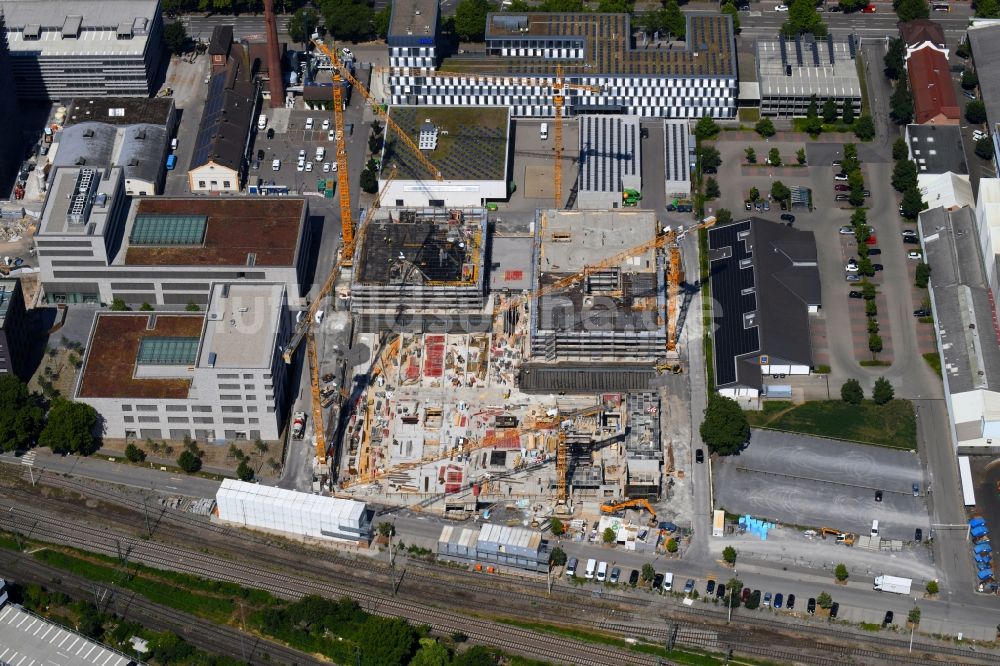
(763, 21)
(199, 28)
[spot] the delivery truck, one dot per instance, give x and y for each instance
(893, 584)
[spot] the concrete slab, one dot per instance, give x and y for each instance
(538, 182)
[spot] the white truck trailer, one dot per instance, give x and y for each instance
(893, 584)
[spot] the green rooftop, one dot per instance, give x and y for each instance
(169, 230)
(167, 351)
(471, 142)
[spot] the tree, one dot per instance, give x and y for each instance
(841, 572)
(118, 305)
(145, 307)
(987, 9)
(984, 148)
(347, 19)
(712, 189)
(175, 37)
(883, 391)
(932, 587)
(192, 307)
(710, 157)
(557, 527)
(706, 128)
(725, 429)
(868, 290)
(189, 462)
(774, 157)
(734, 587)
(369, 181)
(851, 392)
(908, 10)
(557, 557)
(431, 653)
(848, 113)
(134, 454)
(901, 102)
(802, 18)
(800, 155)
(673, 19)
(923, 275)
(913, 617)
(301, 25)
(729, 555)
(753, 602)
(765, 128)
(912, 203)
(856, 181)
(609, 535)
(69, 428)
(975, 112)
(824, 600)
(873, 326)
(814, 125)
(470, 19)
(874, 343)
(723, 217)
(615, 7)
(671, 545)
(751, 155)
(852, 5)
(381, 21)
(754, 194)
(386, 529)
(830, 112)
(969, 79)
(779, 191)
(864, 128)
(244, 472)
(963, 50)
(648, 572)
(904, 175)
(871, 308)
(865, 266)
(900, 151)
(895, 58)
(21, 414)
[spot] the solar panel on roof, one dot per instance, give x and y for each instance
(161, 229)
(167, 351)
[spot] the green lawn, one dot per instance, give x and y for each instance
(934, 360)
(893, 425)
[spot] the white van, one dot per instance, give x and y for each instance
(544, 132)
(261, 121)
(602, 572)
(571, 567)
(874, 528)
(591, 565)
(668, 582)
(320, 153)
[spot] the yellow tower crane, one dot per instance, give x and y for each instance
(674, 278)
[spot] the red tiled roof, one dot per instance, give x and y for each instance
(920, 31)
(930, 82)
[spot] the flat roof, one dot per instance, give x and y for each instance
(414, 18)
(610, 154)
(65, 212)
(420, 250)
(606, 40)
(242, 325)
(238, 231)
(985, 42)
(585, 378)
(120, 110)
(26, 638)
(937, 148)
(109, 369)
(961, 305)
(471, 142)
(91, 28)
(571, 240)
(821, 67)
(510, 262)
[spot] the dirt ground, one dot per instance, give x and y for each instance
(58, 367)
(214, 457)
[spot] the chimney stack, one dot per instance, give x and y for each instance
(273, 57)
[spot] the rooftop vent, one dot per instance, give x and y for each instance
(428, 136)
(82, 198)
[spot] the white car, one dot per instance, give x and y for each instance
(302, 154)
(852, 266)
(309, 123)
(275, 165)
(329, 135)
(318, 317)
(913, 254)
(781, 8)
(326, 167)
(326, 123)
(847, 231)
(301, 166)
(309, 166)
(978, 134)
(840, 177)
(346, 54)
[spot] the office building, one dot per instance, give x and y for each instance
(793, 72)
(11, 141)
(15, 340)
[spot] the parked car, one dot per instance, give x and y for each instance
(834, 8)
(914, 254)
(888, 619)
(746, 594)
(978, 134)
(781, 8)
(855, 294)
(852, 265)
(778, 599)
(615, 575)
(790, 605)
(916, 490)
(633, 578)
(709, 170)
(270, 132)
(842, 177)
(748, 204)
(309, 166)
(326, 123)
(657, 581)
(852, 277)
(834, 610)
(836, 163)
(866, 193)
(699, 456)
(878, 267)
(309, 123)
(840, 187)
(878, 495)
(788, 217)
(918, 535)
(908, 233)
(326, 167)
(911, 240)
(720, 590)
(969, 94)
(811, 606)
(841, 197)
(870, 9)
(275, 165)
(873, 251)
(921, 313)
(689, 586)
(710, 586)
(847, 231)
(767, 206)
(767, 600)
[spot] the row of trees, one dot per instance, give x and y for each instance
(859, 220)
(904, 180)
(27, 419)
(852, 393)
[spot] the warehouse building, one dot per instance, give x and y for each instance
(988, 231)
(416, 263)
(766, 281)
(934, 100)
(287, 511)
(678, 158)
(964, 322)
(942, 172)
(62, 49)
(469, 146)
(592, 49)
(615, 312)
(15, 333)
(494, 546)
(165, 251)
(791, 72)
(610, 161)
(216, 376)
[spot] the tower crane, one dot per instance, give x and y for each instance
(674, 277)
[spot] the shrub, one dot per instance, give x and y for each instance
(923, 275)
(188, 462)
(841, 572)
(765, 127)
(883, 391)
(729, 555)
(134, 454)
(851, 392)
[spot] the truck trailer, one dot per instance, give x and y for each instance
(893, 584)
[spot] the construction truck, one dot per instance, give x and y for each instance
(680, 205)
(631, 198)
(892, 584)
(298, 425)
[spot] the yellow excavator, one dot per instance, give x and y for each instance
(613, 507)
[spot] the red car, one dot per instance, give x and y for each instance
(840, 187)
(870, 9)
(872, 240)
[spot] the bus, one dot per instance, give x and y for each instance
(171, 162)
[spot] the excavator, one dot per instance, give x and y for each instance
(845, 538)
(614, 507)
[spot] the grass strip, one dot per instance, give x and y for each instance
(892, 425)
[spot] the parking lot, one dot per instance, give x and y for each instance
(817, 482)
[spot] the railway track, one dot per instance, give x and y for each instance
(514, 639)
